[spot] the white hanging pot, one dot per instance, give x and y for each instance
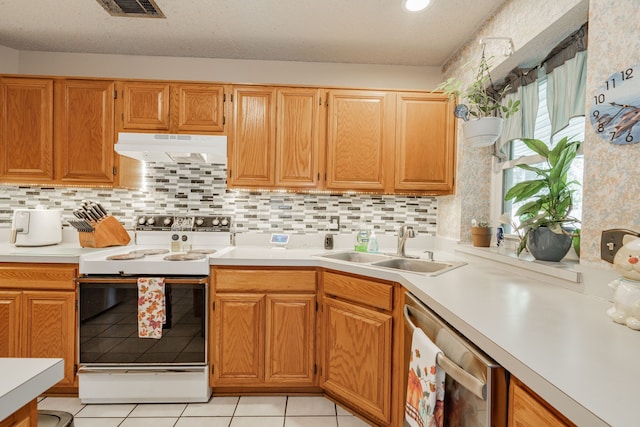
(482, 132)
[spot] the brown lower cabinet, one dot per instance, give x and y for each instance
(362, 345)
(270, 333)
(27, 416)
(527, 409)
(263, 329)
(37, 305)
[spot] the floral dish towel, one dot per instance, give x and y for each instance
(425, 388)
(151, 307)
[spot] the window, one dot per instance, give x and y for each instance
(507, 174)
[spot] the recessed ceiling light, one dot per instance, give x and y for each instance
(415, 5)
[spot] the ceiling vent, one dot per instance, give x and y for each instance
(132, 8)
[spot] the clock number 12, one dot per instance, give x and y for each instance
(624, 75)
(611, 84)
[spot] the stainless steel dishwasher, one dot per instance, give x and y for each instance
(476, 387)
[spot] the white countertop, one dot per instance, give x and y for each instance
(557, 340)
(25, 379)
(549, 332)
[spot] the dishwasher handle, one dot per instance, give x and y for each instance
(451, 368)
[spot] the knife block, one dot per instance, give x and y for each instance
(106, 232)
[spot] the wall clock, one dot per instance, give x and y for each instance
(615, 110)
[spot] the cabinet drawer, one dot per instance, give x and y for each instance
(263, 280)
(364, 291)
(38, 276)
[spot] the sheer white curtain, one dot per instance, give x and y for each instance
(521, 124)
(565, 69)
(566, 91)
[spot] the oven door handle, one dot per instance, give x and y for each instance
(134, 280)
(468, 381)
(138, 371)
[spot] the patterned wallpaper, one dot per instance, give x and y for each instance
(522, 21)
(185, 188)
(611, 178)
(610, 171)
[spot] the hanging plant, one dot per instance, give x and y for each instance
(480, 99)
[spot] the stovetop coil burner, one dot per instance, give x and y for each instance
(189, 256)
(150, 251)
(124, 257)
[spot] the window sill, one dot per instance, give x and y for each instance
(565, 269)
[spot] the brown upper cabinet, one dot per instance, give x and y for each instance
(26, 129)
(298, 127)
(425, 143)
(56, 131)
(360, 140)
(62, 131)
(253, 137)
(84, 134)
(165, 107)
(275, 138)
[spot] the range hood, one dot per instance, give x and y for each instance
(173, 148)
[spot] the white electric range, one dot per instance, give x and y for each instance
(118, 363)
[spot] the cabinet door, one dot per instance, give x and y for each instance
(50, 328)
(198, 108)
(10, 302)
(238, 356)
(425, 143)
(145, 106)
(84, 131)
(26, 129)
(360, 140)
(357, 356)
(290, 331)
(527, 409)
(297, 150)
(253, 146)
(27, 416)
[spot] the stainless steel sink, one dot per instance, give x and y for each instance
(431, 268)
(359, 257)
(412, 265)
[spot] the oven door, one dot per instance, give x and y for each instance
(108, 323)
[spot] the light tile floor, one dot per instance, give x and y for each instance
(245, 411)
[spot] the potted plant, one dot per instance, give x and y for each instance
(545, 220)
(482, 104)
(480, 234)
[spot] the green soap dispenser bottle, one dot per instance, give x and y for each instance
(362, 238)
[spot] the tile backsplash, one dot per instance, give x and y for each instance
(182, 189)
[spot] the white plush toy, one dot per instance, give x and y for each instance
(626, 298)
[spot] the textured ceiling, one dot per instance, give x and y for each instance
(350, 31)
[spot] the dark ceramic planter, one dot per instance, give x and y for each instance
(545, 245)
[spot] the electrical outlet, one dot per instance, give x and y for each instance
(337, 220)
(611, 241)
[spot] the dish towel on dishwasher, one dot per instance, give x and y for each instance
(425, 385)
(151, 307)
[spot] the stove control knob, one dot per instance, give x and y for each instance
(151, 221)
(141, 220)
(167, 221)
(199, 221)
(216, 222)
(225, 222)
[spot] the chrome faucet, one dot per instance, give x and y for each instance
(404, 232)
